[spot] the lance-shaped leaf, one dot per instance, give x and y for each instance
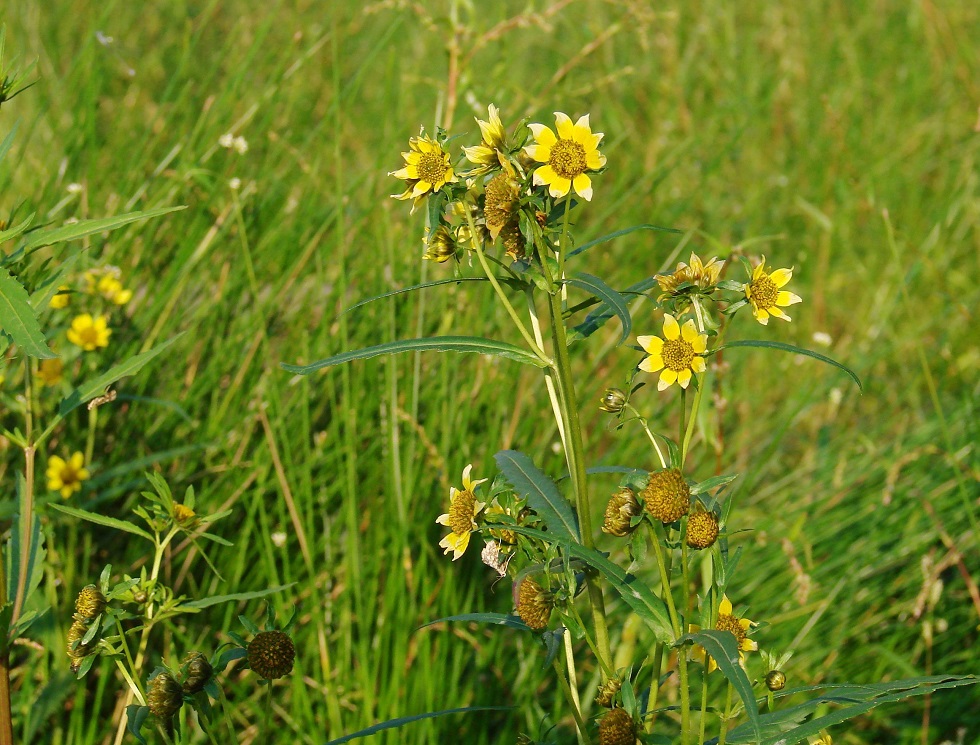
(9, 233)
(413, 288)
(109, 522)
(612, 299)
(82, 228)
(402, 721)
(17, 318)
(465, 344)
(618, 233)
(723, 648)
(235, 596)
(542, 494)
(88, 391)
(496, 619)
(598, 317)
(795, 350)
(631, 589)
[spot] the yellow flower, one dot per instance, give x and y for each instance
(461, 518)
(738, 627)
(112, 290)
(89, 333)
(427, 169)
(762, 290)
(494, 137)
(566, 156)
(49, 372)
(677, 354)
(61, 299)
(704, 275)
(67, 476)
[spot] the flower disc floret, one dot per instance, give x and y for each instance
(461, 518)
(617, 728)
(764, 293)
(702, 528)
(667, 495)
(677, 354)
(89, 604)
(738, 627)
(271, 654)
(427, 169)
(534, 604)
(566, 156)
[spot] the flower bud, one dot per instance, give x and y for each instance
(271, 654)
(775, 680)
(165, 696)
(613, 401)
(622, 507)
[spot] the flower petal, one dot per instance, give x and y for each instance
(667, 378)
(689, 331)
(651, 344)
(697, 364)
(671, 330)
(563, 124)
(544, 175)
(700, 343)
(582, 132)
(583, 187)
(560, 186)
(781, 276)
(595, 160)
(542, 134)
(787, 298)
(443, 519)
(761, 316)
(684, 377)
(725, 606)
(652, 364)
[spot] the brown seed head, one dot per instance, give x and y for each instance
(702, 528)
(534, 604)
(617, 728)
(89, 604)
(76, 650)
(667, 495)
(271, 654)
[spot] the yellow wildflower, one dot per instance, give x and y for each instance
(67, 476)
(738, 627)
(427, 169)
(494, 137)
(677, 354)
(704, 275)
(50, 371)
(60, 300)
(112, 290)
(461, 518)
(763, 291)
(88, 332)
(566, 156)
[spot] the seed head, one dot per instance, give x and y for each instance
(534, 604)
(165, 696)
(199, 672)
(271, 654)
(89, 604)
(622, 507)
(617, 728)
(667, 495)
(702, 528)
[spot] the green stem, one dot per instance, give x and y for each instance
(723, 729)
(684, 685)
(266, 732)
(704, 704)
(675, 622)
(579, 723)
(653, 438)
(573, 611)
(93, 420)
(573, 683)
(549, 379)
(658, 666)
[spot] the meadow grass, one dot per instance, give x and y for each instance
(787, 128)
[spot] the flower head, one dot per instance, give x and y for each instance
(763, 291)
(667, 495)
(461, 518)
(534, 604)
(89, 604)
(566, 156)
(60, 300)
(50, 371)
(197, 672)
(677, 354)
(738, 627)
(440, 246)
(67, 476)
(622, 507)
(701, 276)
(702, 528)
(617, 728)
(271, 654)
(493, 139)
(427, 169)
(89, 333)
(165, 696)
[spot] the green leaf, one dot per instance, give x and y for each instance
(465, 344)
(607, 295)
(83, 228)
(783, 725)
(9, 139)
(109, 522)
(135, 716)
(597, 318)
(18, 320)
(795, 350)
(88, 391)
(542, 494)
(715, 481)
(634, 592)
(617, 234)
(41, 297)
(498, 619)
(723, 648)
(6, 235)
(413, 288)
(402, 721)
(216, 599)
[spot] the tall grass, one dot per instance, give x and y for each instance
(787, 126)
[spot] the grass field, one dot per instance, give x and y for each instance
(804, 130)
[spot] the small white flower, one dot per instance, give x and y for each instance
(836, 396)
(240, 144)
(822, 338)
(278, 539)
(235, 183)
(226, 140)
(74, 188)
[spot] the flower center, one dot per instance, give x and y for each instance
(89, 335)
(764, 292)
(730, 623)
(432, 168)
(568, 158)
(461, 512)
(68, 476)
(678, 354)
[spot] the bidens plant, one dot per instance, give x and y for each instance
(501, 212)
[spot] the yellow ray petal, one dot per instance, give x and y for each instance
(595, 160)
(652, 363)
(583, 187)
(684, 377)
(700, 344)
(787, 298)
(671, 330)
(689, 331)
(667, 378)
(781, 276)
(697, 364)
(563, 124)
(650, 344)
(559, 187)
(542, 134)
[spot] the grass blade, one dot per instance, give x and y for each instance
(83, 228)
(402, 721)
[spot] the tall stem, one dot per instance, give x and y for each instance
(6, 722)
(579, 723)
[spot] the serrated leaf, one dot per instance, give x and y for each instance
(634, 592)
(402, 721)
(464, 344)
(619, 233)
(541, 492)
(216, 599)
(18, 320)
(82, 228)
(795, 350)
(109, 522)
(723, 648)
(87, 391)
(611, 299)
(496, 619)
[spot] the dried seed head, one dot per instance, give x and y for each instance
(622, 507)
(667, 495)
(617, 728)
(89, 604)
(165, 696)
(271, 654)
(534, 604)
(702, 528)
(607, 692)
(199, 672)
